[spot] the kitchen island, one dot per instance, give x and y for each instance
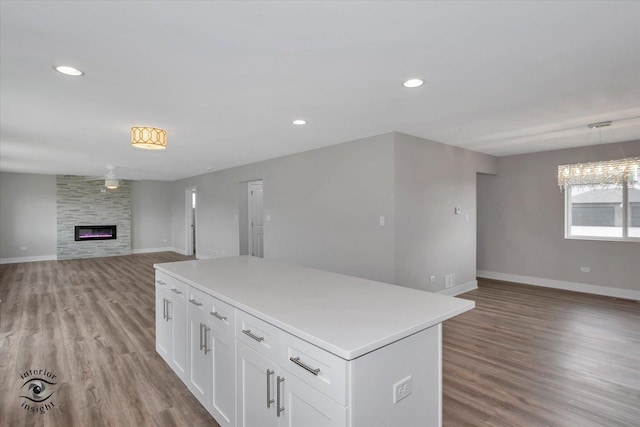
(268, 344)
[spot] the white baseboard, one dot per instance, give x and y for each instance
(150, 250)
(28, 259)
(560, 284)
(460, 289)
(179, 251)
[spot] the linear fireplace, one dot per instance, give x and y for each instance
(95, 232)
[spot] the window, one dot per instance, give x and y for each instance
(605, 212)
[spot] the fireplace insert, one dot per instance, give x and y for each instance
(95, 232)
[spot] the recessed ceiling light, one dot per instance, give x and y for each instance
(413, 83)
(68, 70)
(299, 122)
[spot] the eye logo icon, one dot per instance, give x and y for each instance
(37, 390)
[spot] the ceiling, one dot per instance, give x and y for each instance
(226, 79)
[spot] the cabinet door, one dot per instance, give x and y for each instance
(200, 363)
(256, 397)
(223, 381)
(306, 406)
(163, 326)
(179, 338)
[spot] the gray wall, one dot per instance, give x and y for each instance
(27, 215)
(521, 223)
(150, 215)
(82, 202)
(324, 205)
(243, 217)
(430, 180)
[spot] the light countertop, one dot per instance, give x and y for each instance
(345, 315)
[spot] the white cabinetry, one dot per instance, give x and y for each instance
(200, 358)
(269, 345)
(211, 376)
(268, 394)
(171, 323)
(221, 323)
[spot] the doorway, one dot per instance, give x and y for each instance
(190, 214)
(255, 219)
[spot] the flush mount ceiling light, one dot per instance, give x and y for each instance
(68, 70)
(299, 122)
(111, 183)
(411, 83)
(149, 138)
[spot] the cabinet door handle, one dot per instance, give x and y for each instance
(269, 399)
(194, 302)
(279, 409)
(160, 282)
(255, 337)
(168, 309)
(206, 331)
(219, 316)
(164, 309)
(201, 326)
(297, 361)
(176, 291)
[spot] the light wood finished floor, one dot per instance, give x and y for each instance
(525, 356)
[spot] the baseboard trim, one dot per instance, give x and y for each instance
(560, 284)
(460, 289)
(28, 259)
(150, 250)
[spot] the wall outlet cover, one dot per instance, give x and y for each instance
(402, 389)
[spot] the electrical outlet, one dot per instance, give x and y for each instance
(432, 279)
(402, 389)
(381, 220)
(585, 269)
(23, 248)
(449, 280)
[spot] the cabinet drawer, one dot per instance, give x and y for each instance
(222, 316)
(178, 289)
(257, 334)
(320, 369)
(198, 299)
(162, 279)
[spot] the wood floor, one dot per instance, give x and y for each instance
(526, 356)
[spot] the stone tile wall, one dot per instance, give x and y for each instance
(82, 202)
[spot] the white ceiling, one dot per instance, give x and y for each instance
(225, 79)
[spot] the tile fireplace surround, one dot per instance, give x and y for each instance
(83, 202)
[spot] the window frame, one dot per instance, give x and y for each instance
(625, 219)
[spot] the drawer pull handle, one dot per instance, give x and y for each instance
(168, 310)
(279, 410)
(160, 282)
(215, 314)
(206, 343)
(269, 399)
(201, 340)
(297, 361)
(176, 291)
(194, 302)
(248, 332)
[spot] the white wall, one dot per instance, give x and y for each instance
(27, 217)
(150, 216)
(324, 205)
(521, 225)
(430, 180)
